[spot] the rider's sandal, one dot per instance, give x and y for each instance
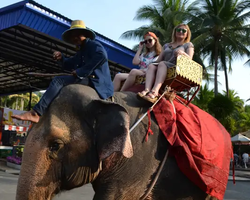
(151, 97)
(143, 93)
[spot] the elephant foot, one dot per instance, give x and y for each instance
(28, 116)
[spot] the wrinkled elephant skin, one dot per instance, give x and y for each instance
(82, 139)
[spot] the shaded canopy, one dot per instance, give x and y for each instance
(29, 34)
(240, 138)
(246, 133)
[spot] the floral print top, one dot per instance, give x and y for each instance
(146, 59)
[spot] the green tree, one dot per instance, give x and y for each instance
(220, 31)
(21, 101)
(222, 108)
(17, 101)
(163, 16)
(203, 97)
(243, 122)
(4, 100)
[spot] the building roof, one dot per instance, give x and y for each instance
(246, 133)
(29, 33)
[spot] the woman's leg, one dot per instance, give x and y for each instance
(161, 73)
(160, 77)
(150, 77)
(118, 80)
(131, 78)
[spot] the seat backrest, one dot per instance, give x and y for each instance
(187, 69)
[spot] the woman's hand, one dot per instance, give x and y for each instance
(141, 45)
(179, 52)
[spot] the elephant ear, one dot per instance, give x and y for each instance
(112, 129)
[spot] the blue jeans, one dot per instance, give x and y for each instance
(53, 90)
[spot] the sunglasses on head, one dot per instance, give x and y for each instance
(179, 30)
(147, 41)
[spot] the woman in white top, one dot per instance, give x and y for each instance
(153, 49)
(156, 73)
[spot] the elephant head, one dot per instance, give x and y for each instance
(65, 149)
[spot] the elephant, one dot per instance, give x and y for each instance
(82, 139)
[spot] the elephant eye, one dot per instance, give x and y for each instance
(55, 146)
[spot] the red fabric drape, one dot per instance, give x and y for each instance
(201, 145)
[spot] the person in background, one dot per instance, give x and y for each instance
(156, 73)
(245, 158)
(89, 67)
(152, 50)
(236, 159)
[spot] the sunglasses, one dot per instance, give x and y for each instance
(147, 41)
(179, 30)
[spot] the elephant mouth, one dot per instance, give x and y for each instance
(82, 176)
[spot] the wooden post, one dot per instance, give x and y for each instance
(29, 107)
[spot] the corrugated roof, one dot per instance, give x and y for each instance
(29, 33)
(40, 18)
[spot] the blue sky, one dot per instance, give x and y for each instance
(113, 17)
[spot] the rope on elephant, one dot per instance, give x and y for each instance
(149, 110)
(156, 176)
(149, 125)
(168, 94)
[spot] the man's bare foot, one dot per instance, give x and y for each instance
(28, 116)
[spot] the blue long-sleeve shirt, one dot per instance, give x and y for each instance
(92, 60)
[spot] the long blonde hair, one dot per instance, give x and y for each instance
(187, 39)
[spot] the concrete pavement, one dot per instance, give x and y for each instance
(8, 183)
(5, 168)
(240, 175)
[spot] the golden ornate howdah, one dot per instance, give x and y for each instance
(186, 68)
(186, 74)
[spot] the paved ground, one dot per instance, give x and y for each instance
(239, 191)
(8, 182)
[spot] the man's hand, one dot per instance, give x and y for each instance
(57, 55)
(74, 73)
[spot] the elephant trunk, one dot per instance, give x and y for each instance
(29, 188)
(37, 179)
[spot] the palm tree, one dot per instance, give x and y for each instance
(238, 102)
(243, 123)
(20, 101)
(17, 101)
(203, 97)
(4, 101)
(219, 31)
(163, 16)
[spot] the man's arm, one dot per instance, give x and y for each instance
(66, 63)
(98, 58)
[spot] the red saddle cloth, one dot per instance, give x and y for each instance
(201, 145)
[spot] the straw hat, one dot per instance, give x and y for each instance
(79, 26)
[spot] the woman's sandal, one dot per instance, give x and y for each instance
(151, 97)
(143, 93)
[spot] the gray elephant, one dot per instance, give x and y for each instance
(82, 139)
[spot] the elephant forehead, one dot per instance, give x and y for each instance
(58, 128)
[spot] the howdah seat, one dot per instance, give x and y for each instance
(184, 76)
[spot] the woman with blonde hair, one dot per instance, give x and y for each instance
(157, 72)
(152, 50)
